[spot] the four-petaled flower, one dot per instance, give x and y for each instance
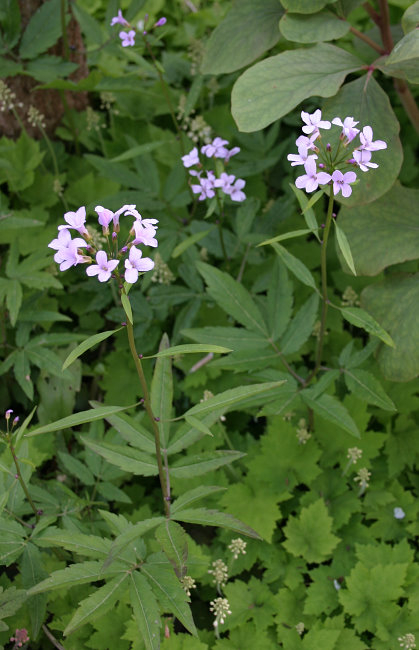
(302, 156)
(216, 148)
(144, 235)
(119, 19)
(127, 38)
(76, 220)
(362, 158)
(348, 127)
(225, 182)
(136, 263)
(314, 122)
(104, 267)
(366, 140)
(341, 182)
(236, 193)
(312, 179)
(206, 187)
(191, 158)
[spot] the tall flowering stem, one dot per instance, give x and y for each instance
(147, 403)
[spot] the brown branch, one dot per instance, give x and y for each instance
(52, 638)
(367, 40)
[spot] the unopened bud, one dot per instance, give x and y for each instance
(8, 414)
(161, 22)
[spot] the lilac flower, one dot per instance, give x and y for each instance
(103, 268)
(225, 182)
(105, 216)
(127, 38)
(64, 239)
(301, 157)
(161, 22)
(341, 182)
(399, 513)
(135, 264)
(8, 414)
(216, 148)
(76, 220)
(144, 235)
(230, 153)
(314, 122)
(69, 256)
(205, 188)
(191, 158)
(362, 158)
(312, 179)
(236, 191)
(119, 19)
(304, 141)
(348, 127)
(367, 143)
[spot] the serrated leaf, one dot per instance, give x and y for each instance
(77, 574)
(331, 409)
(361, 318)
(206, 517)
(98, 603)
(99, 413)
(86, 345)
(189, 241)
(170, 593)
(207, 461)
(295, 265)
(365, 386)
(32, 570)
(230, 398)
(146, 610)
(174, 544)
(13, 300)
(345, 249)
(161, 393)
(198, 424)
(43, 30)
(10, 601)
(88, 545)
(132, 431)
(130, 535)
(194, 495)
(76, 468)
(233, 298)
(301, 326)
(126, 458)
(310, 535)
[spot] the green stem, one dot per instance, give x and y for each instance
(165, 487)
(324, 287)
(66, 52)
(384, 26)
(367, 40)
(20, 477)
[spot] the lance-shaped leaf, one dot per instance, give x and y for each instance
(233, 298)
(88, 545)
(185, 500)
(130, 535)
(187, 433)
(192, 348)
(127, 307)
(126, 458)
(301, 326)
(230, 398)
(345, 249)
(236, 338)
(98, 603)
(42, 31)
(131, 431)
(207, 461)
(174, 544)
(273, 87)
(161, 393)
(10, 601)
(169, 592)
(146, 610)
(206, 517)
(86, 345)
(295, 265)
(78, 418)
(77, 574)
(189, 241)
(330, 409)
(362, 318)
(365, 386)
(286, 235)
(32, 570)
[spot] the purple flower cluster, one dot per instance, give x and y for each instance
(69, 251)
(206, 185)
(321, 164)
(128, 38)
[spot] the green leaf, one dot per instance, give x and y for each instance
(11, 601)
(13, 300)
(189, 241)
(310, 535)
(295, 266)
(126, 458)
(127, 307)
(198, 424)
(286, 235)
(132, 431)
(345, 249)
(410, 18)
(161, 393)
(394, 303)
(273, 87)
(43, 30)
(230, 398)
(301, 326)
(232, 297)
(280, 299)
(361, 318)
(86, 345)
(99, 413)
(174, 544)
(88, 545)
(258, 506)
(32, 570)
(304, 6)
(249, 29)
(236, 338)
(146, 610)
(170, 593)
(404, 58)
(48, 68)
(76, 468)
(365, 386)
(315, 28)
(191, 496)
(77, 574)
(130, 535)
(376, 238)
(98, 603)
(189, 349)
(369, 103)
(139, 150)
(331, 409)
(205, 517)
(207, 461)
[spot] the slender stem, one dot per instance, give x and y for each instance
(220, 229)
(243, 263)
(408, 102)
(165, 486)
(372, 13)
(384, 26)
(292, 372)
(367, 40)
(52, 638)
(66, 49)
(70, 121)
(20, 477)
(324, 287)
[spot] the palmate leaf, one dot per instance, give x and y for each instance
(331, 409)
(98, 603)
(77, 574)
(206, 517)
(310, 535)
(146, 610)
(301, 326)
(295, 265)
(130, 535)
